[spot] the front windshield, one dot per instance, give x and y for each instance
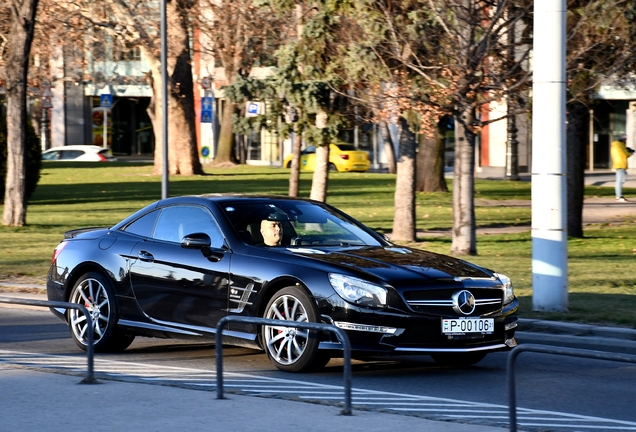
(300, 224)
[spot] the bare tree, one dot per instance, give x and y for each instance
(136, 23)
(430, 160)
(455, 50)
(294, 178)
(20, 36)
(242, 36)
(404, 220)
(601, 48)
(320, 178)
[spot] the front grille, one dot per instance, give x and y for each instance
(439, 301)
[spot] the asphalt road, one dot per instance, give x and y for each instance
(563, 391)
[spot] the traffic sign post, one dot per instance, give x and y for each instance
(206, 83)
(106, 102)
(207, 109)
(45, 136)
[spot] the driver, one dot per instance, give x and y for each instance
(272, 232)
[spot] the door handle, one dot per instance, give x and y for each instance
(145, 256)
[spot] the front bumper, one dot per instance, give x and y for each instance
(379, 331)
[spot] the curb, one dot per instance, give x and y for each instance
(556, 333)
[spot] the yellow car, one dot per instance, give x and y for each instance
(342, 157)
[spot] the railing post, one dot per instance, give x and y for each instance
(218, 346)
(512, 393)
(572, 352)
(341, 335)
(90, 376)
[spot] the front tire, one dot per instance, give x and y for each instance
(292, 349)
(93, 291)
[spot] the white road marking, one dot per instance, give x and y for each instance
(437, 408)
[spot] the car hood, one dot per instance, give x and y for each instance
(393, 264)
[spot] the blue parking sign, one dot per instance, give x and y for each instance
(252, 109)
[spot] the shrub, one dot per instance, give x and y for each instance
(33, 157)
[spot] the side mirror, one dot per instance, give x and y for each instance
(196, 241)
(202, 242)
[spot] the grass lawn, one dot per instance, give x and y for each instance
(602, 280)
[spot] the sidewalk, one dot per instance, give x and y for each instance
(38, 401)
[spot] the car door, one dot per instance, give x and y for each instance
(175, 284)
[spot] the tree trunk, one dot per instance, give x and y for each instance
(430, 162)
(294, 176)
(226, 135)
(389, 151)
(404, 218)
(464, 242)
(183, 155)
(577, 138)
(321, 174)
(17, 63)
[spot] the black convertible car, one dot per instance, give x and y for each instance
(176, 267)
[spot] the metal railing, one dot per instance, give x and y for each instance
(90, 375)
(342, 337)
(572, 352)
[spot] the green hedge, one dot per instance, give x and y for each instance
(33, 158)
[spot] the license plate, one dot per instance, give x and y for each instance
(464, 326)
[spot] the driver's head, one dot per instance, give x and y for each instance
(271, 232)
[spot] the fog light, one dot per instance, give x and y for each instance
(364, 327)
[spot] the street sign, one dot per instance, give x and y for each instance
(46, 103)
(207, 109)
(252, 109)
(207, 103)
(106, 100)
(205, 151)
(206, 83)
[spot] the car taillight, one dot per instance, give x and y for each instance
(102, 157)
(58, 250)
(344, 156)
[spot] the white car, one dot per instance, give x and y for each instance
(79, 153)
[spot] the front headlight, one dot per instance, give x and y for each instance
(358, 291)
(509, 294)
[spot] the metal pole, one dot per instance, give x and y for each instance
(572, 352)
(45, 131)
(105, 131)
(549, 205)
(340, 333)
(90, 376)
(164, 101)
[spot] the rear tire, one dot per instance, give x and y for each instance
(458, 359)
(292, 349)
(332, 167)
(93, 290)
